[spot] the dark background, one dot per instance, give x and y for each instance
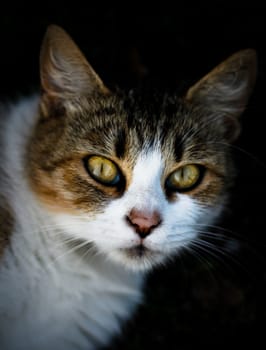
(216, 298)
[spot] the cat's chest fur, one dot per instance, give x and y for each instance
(62, 302)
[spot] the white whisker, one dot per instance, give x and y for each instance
(210, 251)
(69, 251)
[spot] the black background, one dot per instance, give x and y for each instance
(218, 299)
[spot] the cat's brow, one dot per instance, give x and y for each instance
(178, 148)
(120, 143)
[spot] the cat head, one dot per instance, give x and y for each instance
(135, 178)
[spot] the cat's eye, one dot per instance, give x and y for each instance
(184, 178)
(103, 170)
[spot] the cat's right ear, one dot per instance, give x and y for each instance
(64, 71)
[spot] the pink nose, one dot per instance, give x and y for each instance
(143, 221)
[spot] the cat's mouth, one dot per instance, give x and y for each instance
(142, 257)
(137, 252)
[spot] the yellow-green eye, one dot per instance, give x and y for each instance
(184, 178)
(103, 170)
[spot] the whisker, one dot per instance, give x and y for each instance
(216, 236)
(211, 252)
(72, 250)
(227, 234)
(223, 256)
(63, 231)
(245, 152)
(219, 228)
(196, 253)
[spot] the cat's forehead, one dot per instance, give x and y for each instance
(128, 125)
(150, 116)
(121, 124)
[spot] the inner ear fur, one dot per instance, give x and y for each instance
(64, 71)
(225, 91)
(230, 84)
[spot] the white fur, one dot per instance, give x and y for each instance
(50, 297)
(111, 233)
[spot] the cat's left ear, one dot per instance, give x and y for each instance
(65, 72)
(225, 91)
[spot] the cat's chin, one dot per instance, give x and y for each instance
(138, 258)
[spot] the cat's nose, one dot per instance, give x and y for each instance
(143, 221)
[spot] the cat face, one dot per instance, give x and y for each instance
(137, 189)
(136, 179)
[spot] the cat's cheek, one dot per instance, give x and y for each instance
(182, 222)
(106, 233)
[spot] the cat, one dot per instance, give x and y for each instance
(99, 187)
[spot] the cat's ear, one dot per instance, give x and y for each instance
(64, 70)
(226, 89)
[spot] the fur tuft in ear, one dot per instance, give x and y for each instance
(65, 72)
(225, 91)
